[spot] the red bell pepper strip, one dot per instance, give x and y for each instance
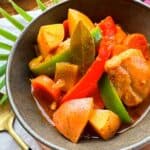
(88, 82)
(98, 102)
(108, 27)
(91, 77)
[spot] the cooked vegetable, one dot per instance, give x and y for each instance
(74, 17)
(105, 122)
(91, 68)
(39, 66)
(112, 100)
(71, 117)
(108, 27)
(120, 35)
(63, 46)
(49, 37)
(97, 35)
(68, 73)
(118, 48)
(91, 77)
(88, 81)
(43, 88)
(66, 28)
(137, 41)
(130, 74)
(82, 47)
(98, 102)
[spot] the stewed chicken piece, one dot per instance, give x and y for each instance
(130, 74)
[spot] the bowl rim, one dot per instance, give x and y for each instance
(14, 108)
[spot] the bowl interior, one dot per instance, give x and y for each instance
(131, 16)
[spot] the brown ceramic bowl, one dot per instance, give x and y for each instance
(132, 16)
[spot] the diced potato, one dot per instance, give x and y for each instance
(49, 37)
(74, 17)
(71, 117)
(68, 73)
(105, 122)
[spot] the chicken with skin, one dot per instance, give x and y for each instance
(130, 75)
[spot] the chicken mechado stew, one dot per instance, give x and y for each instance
(90, 76)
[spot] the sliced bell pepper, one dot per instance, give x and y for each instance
(108, 27)
(38, 66)
(91, 77)
(112, 100)
(95, 71)
(98, 102)
(97, 35)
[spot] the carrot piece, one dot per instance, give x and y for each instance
(43, 88)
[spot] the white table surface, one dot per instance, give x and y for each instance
(6, 141)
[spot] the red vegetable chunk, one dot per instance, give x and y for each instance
(108, 27)
(44, 88)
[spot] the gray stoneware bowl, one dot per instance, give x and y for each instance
(131, 15)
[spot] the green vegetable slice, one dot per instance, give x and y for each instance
(48, 66)
(82, 47)
(112, 100)
(97, 35)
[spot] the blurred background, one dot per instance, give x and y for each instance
(25, 4)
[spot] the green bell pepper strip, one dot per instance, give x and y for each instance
(112, 100)
(48, 66)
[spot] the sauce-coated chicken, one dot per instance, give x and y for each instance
(130, 74)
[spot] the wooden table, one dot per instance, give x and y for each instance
(25, 4)
(30, 5)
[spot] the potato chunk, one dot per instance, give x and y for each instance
(71, 117)
(105, 122)
(49, 38)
